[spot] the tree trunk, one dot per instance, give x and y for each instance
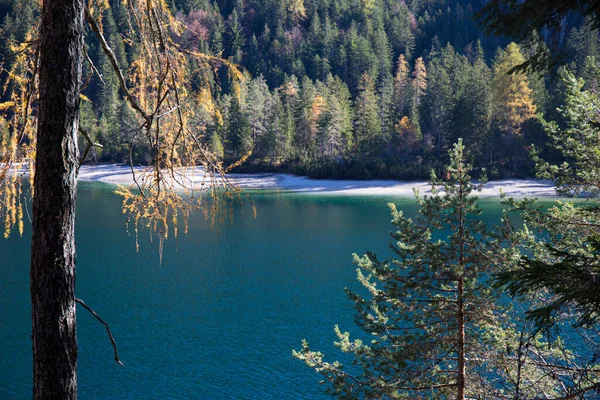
(460, 314)
(460, 395)
(53, 240)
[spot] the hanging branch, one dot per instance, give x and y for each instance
(113, 61)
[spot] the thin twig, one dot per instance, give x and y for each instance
(93, 67)
(112, 339)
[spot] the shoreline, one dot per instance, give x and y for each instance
(121, 174)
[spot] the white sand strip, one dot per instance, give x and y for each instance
(120, 174)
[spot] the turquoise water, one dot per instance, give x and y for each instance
(219, 318)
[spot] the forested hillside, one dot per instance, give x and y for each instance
(336, 88)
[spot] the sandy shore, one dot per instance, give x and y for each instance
(119, 174)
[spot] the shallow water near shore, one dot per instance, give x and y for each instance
(219, 318)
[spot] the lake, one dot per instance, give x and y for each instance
(221, 315)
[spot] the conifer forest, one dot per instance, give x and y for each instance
(337, 89)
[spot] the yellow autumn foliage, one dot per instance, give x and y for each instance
(156, 88)
(512, 97)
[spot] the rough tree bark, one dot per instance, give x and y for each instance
(53, 240)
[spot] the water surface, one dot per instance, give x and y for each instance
(219, 318)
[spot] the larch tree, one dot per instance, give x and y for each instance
(401, 82)
(53, 233)
(419, 80)
(42, 130)
(297, 10)
(512, 97)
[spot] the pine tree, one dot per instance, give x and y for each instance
(367, 129)
(237, 39)
(567, 262)
(239, 130)
(472, 114)
(438, 105)
(435, 325)
(255, 109)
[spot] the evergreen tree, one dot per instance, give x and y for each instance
(330, 127)
(437, 106)
(583, 42)
(472, 114)
(567, 262)
(367, 129)
(361, 58)
(436, 328)
(272, 143)
(236, 37)
(398, 27)
(385, 95)
(239, 130)
(287, 129)
(339, 90)
(307, 110)
(255, 108)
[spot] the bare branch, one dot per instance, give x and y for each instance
(91, 144)
(113, 61)
(112, 339)
(93, 67)
(578, 393)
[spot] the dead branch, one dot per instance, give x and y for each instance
(93, 67)
(112, 339)
(578, 393)
(91, 143)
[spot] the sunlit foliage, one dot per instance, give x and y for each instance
(158, 92)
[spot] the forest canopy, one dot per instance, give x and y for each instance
(339, 89)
